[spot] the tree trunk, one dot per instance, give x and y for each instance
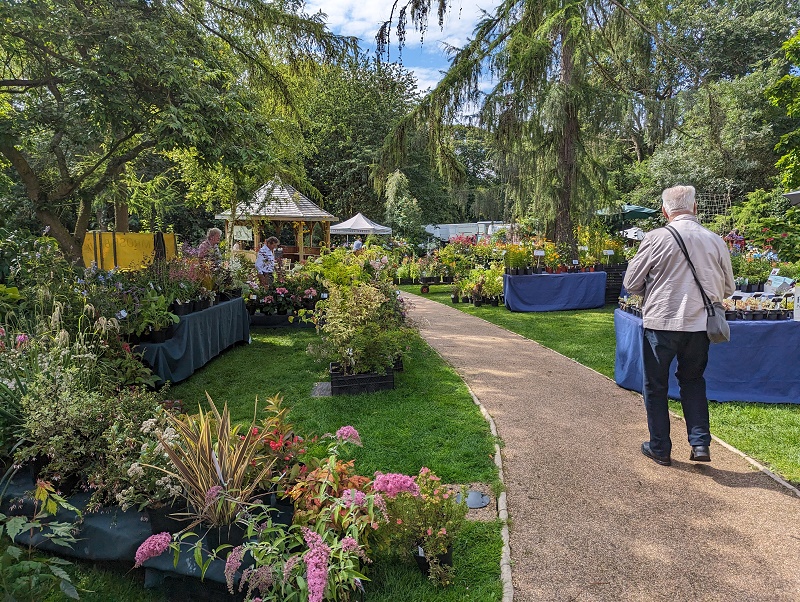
(121, 223)
(69, 245)
(567, 166)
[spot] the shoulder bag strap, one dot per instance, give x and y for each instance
(706, 301)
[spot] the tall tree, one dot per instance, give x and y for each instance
(572, 77)
(96, 85)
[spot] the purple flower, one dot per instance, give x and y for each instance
(213, 493)
(348, 434)
(316, 559)
(153, 546)
(257, 579)
(22, 339)
(393, 483)
(353, 497)
(232, 564)
(287, 568)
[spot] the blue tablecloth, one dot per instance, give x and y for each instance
(761, 362)
(553, 292)
(199, 338)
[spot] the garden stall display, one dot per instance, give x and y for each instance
(553, 292)
(198, 338)
(759, 363)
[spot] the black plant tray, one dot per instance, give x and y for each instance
(353, 384)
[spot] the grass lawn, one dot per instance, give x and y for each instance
(428, 420)
(770, 433)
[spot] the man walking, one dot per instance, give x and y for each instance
(674, 318)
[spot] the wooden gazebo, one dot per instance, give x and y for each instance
(278, 202)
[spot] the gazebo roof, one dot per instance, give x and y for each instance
(279, 202)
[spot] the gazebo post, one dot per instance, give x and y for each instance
(301, 240)
(326, 234)
(257, 235)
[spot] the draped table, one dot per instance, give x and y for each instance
(761, 362)
(553, 292)
(199, 337)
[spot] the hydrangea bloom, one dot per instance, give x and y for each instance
(153, 546)
(316, 559)
(348, 434)
(393, 483)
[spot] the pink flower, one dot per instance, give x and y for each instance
(348, 434)
(153, 546)
(2, 331)
(353, 498)
(257, 579)
(349, 544)
(22, 339)
(316, 559)
(281, 291)
(232, 564)
(394, 483)
(213, 493)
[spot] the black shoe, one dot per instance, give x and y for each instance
(700, 453)
(663, 460)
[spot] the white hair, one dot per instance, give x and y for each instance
(678, 199)
(212, 231)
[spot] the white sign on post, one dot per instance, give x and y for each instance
(575, 262)
(538, 253)
(608, 252)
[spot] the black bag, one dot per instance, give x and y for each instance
(717, 327)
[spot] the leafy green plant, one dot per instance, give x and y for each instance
(364, 329)
(25, 573)
(154, 313)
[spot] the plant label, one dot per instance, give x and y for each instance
(608, 252)
(538, 253)
(575, 262)
(583, 248)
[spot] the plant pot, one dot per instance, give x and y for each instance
(284, 508)
(494, 301)
(179, 309)
(158, 336)
(454, 298)
(447, 279)
(477, 301)
(353, 384)
(730, 314)
(232, 535)
(162, 519)
(281, 312)
(445, 559)
(465, 299)
(424, 289)
(398, 364)
(251, 309)
(758, 314)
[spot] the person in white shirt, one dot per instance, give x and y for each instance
(674, 319)
(265, 262)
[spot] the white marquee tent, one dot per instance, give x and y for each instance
(358, 224)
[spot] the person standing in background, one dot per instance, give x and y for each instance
(209, 248)
(265, 262)
(357, 244)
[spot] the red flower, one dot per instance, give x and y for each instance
(254, 431)
(765, 229)
(784, 235)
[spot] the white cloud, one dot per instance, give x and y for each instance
(362, 18)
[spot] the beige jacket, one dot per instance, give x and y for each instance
(660, 273)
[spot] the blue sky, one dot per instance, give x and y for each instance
(362, 18)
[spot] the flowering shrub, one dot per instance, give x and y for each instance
(422, 512)
(153, 546)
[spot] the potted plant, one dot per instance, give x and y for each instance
(213, 464)
(363, 331)
(493, 284)
(425, 517)
(154, 317)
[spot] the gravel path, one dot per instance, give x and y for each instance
(590, 517)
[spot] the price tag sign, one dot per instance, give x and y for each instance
(323, 295)
(252, 297)
(575, 262)
(538, 253)
(608, 252)
(583, 248)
